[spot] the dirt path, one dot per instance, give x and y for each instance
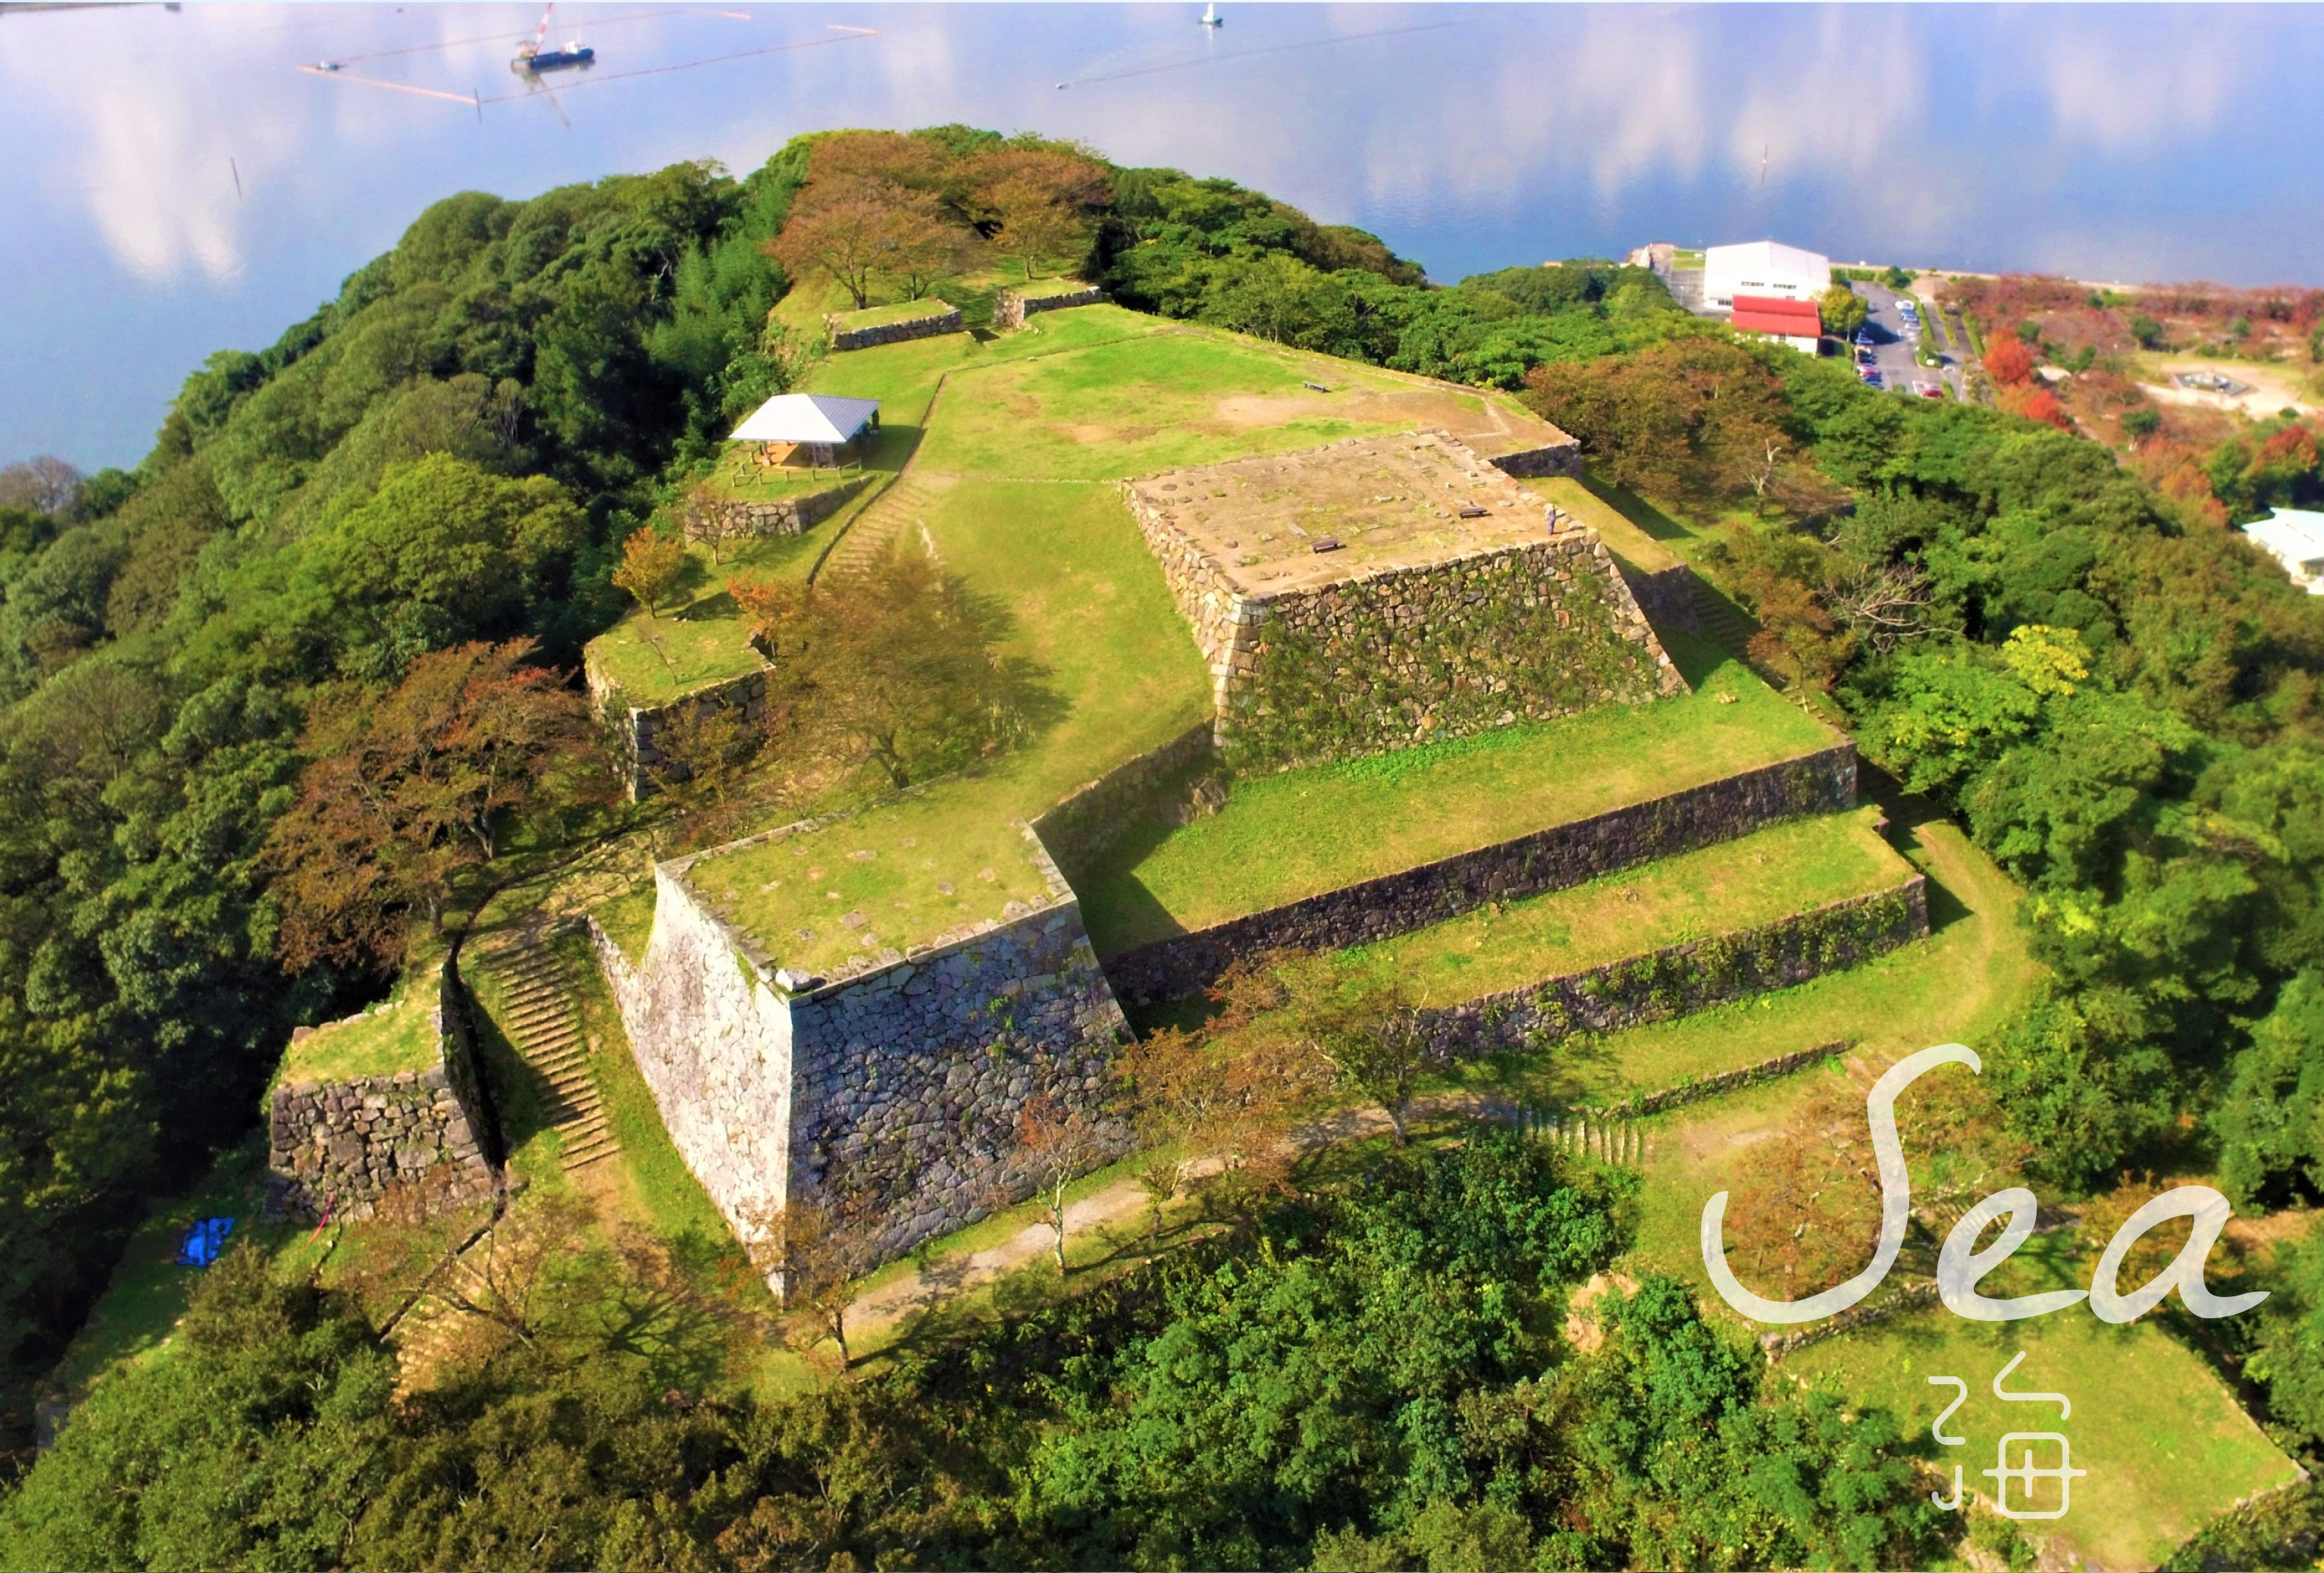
(1122, 1203)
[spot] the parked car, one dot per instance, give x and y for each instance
(1929, 391)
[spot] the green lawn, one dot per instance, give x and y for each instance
(1281, 837)
(1046, 289)
(2166, 1446)
(898, 875)
(1738, 885)
(737, 476)
(700, 637)
(396, 1035)
(1170, 399)
(1623, 538)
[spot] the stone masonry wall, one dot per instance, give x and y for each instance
(941, 318)
(891, 1095)
(1092, 815)
(1394, 657)
(1668, 598)
(1557, 458)
(785, 515)
(1010, 309)
(337, 1147)
(1681, 979)
(637, 727)
(1528, 865)
(711, 1037)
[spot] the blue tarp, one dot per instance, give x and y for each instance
(204, 1240)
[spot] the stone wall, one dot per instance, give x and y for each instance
(941, 318)
(1390, 658)
(336, 1148)
(891, 1095)
(1528, 865)
(1563, 457)
(711, 1037)
(782, 516)
(637, 728)
(1090, 817)
(1667, 598)
(1009, 308)
(1681, 979)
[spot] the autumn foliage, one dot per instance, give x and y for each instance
(2009, 360)
(2033, 403)
(407, 788)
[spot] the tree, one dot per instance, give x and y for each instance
(848, 229)
(820, 1259)
(1367, 1028)
(1058, 1144)
(897, 666)
(407, 788)
(701, 518)
(1034, 224)
(44, 485)
(650, 565)
(2009, 360)
(1844, 311)
(924, 247)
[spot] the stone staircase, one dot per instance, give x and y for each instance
(871, 539)
(1721, 621)
(538, 1016)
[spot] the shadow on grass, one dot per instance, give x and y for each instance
(1649, 519)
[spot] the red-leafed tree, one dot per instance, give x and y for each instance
(2008, 359)
(410, 786)
(2034, 402)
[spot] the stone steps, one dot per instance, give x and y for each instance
(537, 1014)
(876, 531)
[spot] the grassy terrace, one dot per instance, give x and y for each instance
(700, 637)
(1281, 837)
(1720, 890)
(1625, 540)
(394, 1035)
(1121, 675)
(898, 876)
(1046, 289)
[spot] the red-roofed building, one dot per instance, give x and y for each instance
(1797, 323)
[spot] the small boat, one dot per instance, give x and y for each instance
(1211, 17)
(534, 56)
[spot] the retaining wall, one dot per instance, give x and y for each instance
(338, 1147)
(1678, 980)
(1556, 458)
(1010, 309)
(941, 318)
(890, 1096)
(1528, 865)
(638, 728)
(1667, 598)
(1090, 817)
(1391, 657)
(784, 515)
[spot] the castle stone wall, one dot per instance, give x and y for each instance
(1557, 458)
(338, 1147)
(1009, 308)
(1528, 865)
(1087, 821)
(890, 1096)
(782, 515)
(1678, 980)
(1391, 657)
(941, 318)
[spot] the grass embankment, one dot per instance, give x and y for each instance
(1044, 289)
(1119, 675)
(1738, 885)
(397, 1034)
(1283, 837)
(700, 636)
(1625, 539)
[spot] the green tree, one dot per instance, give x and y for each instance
(1844, 311)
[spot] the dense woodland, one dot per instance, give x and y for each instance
(367, 557)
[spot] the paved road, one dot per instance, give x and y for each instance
(1894, 343)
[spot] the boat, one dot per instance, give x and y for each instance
(534, 57)
(1211, 17)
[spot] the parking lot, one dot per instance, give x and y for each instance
(1896, 336)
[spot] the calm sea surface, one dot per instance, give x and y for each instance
(171, 182)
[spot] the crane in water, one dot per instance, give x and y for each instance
(534, 57)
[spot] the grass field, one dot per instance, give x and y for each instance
(1735, 885)
(2166, 1446)
(700, 636)
(1281, 837)
(1046, 289)
(1623, 538)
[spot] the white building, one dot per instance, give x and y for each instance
(1762, 267)
(2294, 537)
